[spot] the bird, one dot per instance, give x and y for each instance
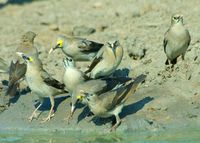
(176, 40)
(41, 84)
(95, 86)
(112, 102)
(17, 67)
(79, 49)
(72, 77)
(106, 61)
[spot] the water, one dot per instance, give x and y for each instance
(181, 136)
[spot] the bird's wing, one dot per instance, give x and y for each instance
(95, 61)
(189, 37)
(165, 40)
(16, 72)
(120, 95)
(88, 46)
(51, 81)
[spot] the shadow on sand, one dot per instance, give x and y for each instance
(127, 110)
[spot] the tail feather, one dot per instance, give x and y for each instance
(129, 89)
(17, 71)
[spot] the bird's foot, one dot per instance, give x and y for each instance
(68, 118)
(114, 127)
(33, 115)
(48, 118)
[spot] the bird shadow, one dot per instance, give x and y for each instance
(47, 104)
(121, 72)
(85, 113)
(13, 99)
(18, 2)
(127, 110)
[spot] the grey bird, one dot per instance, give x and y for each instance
(17, 68)
(79, 49)
(41, 84)
(72, 78)
(106, 61)
(112, 102)
(96, 86)
(176, 40)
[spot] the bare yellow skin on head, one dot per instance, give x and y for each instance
(79, 97)
(30, 59)
(60, 43)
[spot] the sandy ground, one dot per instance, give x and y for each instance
(166, 100)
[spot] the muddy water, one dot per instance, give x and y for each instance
(180, 136)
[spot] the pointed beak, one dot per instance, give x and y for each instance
(53, 48)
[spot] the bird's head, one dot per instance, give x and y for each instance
(84, 96)
(29, 36)
(60, 43)
(177, 18)
(68, 62)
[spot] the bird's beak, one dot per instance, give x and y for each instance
(53, 48)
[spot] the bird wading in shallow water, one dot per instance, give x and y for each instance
(41, 83)
(79, 49)
(176, 40)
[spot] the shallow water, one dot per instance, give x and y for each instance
(181, 136)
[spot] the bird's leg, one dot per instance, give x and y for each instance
(34, 114)
(70, 116)
(118, 122)
(51, 110)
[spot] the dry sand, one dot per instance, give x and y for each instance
(166, 100)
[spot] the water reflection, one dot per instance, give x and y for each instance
(182, 136)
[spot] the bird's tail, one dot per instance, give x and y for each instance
(129, 89)
(16, 72)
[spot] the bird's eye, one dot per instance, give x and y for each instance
(70, 60)
(175, 18)
(30, 59)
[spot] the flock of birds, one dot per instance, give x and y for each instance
(96, 87)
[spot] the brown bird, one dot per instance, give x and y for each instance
(18, 67)
(176, 40)
(111, 102)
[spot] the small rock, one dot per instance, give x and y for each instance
(82, 30)
(147, 61)
(136, 13)
(54, 27)
(97, 5)
(189, 115)
(102, 28)
(137, 53)
(136, 48)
